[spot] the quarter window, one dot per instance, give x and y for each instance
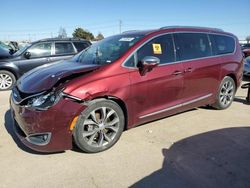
(40, 50)
(161, 47)
(192, 45)
(222, 44)
(81, 45)
(64, 48)
(130, 62)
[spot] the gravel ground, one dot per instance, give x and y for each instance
(199, 148)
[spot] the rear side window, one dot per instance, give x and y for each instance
(222, 44)
(161, 47)
(192, 45)
(64, 48)
(81, 45)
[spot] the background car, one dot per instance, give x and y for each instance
(246, 52)
(246, 71)
(4, 53)
(9, 48)
(36, 54)
(245, 46)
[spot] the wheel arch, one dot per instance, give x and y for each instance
(231, 75)
(121, 103)
(10, 69)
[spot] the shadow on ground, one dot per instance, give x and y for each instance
(241, 100)
(214, 159)
(9, 127)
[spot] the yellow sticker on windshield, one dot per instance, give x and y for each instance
(157, 49)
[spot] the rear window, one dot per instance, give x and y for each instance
(81, 45)
(64, 48)
(222, 44)
(192, 45)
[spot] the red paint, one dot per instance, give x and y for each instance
(158, 89)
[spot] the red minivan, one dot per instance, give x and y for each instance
(123, 81)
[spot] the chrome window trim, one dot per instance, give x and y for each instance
(176, 106)
(183, 61)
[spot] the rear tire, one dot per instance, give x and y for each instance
(225, 94)
(99, 126)
(7, 80)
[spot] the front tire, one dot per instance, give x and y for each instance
(7, 80)
(99, 126)
(225, 94)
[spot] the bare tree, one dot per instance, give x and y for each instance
(62, 33)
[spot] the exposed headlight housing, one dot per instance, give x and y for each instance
(44, 101)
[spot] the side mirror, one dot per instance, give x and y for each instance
(11, 51)
(27, 55)
(148, 63)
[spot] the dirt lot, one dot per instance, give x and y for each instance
(199, 148)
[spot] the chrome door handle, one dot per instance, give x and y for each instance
(188, 70)
(175, 73)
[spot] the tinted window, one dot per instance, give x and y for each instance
(64, 48)
(161, 47)
(222, 44)
(192, 45)
(81, 45)
(40, 50)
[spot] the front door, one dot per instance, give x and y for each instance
(159, 91)
(39, 55)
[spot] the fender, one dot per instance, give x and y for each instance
(11, 67)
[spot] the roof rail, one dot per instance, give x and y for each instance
(190, 27)
(129, 31)
(58, 39)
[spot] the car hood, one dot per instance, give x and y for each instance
(4, 54)
(45, 77)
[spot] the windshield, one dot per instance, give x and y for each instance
(107, 50)
(5, 46)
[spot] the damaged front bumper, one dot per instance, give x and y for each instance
(49, 130)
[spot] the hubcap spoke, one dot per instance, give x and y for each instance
(89, 122)
(93, 115)
(111, 123)
(106, 137)
(88, 133)
(110, 113)
(114, 129)
(91, 139)
(103, 110)
(101, 137)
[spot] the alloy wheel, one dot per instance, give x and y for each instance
(227, 93)
(100, 127)
(5, 81)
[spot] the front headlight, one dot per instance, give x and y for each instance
(44, 101)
